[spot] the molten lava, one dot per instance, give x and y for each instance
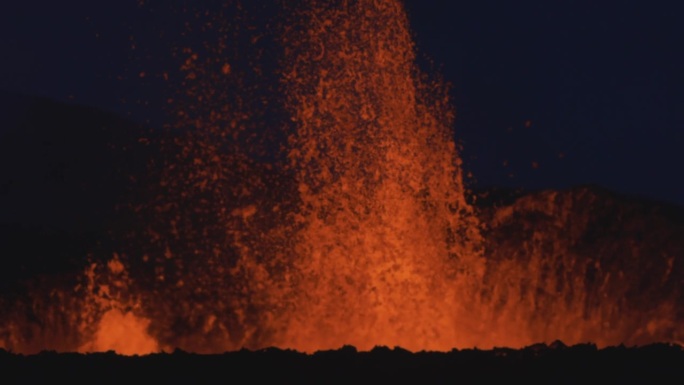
(314, 199)
(385, 239)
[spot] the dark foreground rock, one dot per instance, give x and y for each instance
(537, 364)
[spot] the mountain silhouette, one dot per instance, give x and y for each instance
(63, 171)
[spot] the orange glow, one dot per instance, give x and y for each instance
(123, 333)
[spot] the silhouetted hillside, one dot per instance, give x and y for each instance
(613, 260)
(63, 171)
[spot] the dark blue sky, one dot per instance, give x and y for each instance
(547, 93)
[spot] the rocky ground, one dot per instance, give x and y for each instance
(538, 364)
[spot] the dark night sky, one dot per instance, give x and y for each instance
(547, 93)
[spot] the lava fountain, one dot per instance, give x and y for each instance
(386, 242)
(357, 232)
(313, 199)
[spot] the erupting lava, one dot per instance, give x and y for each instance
(385, 239)
(330, 214)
